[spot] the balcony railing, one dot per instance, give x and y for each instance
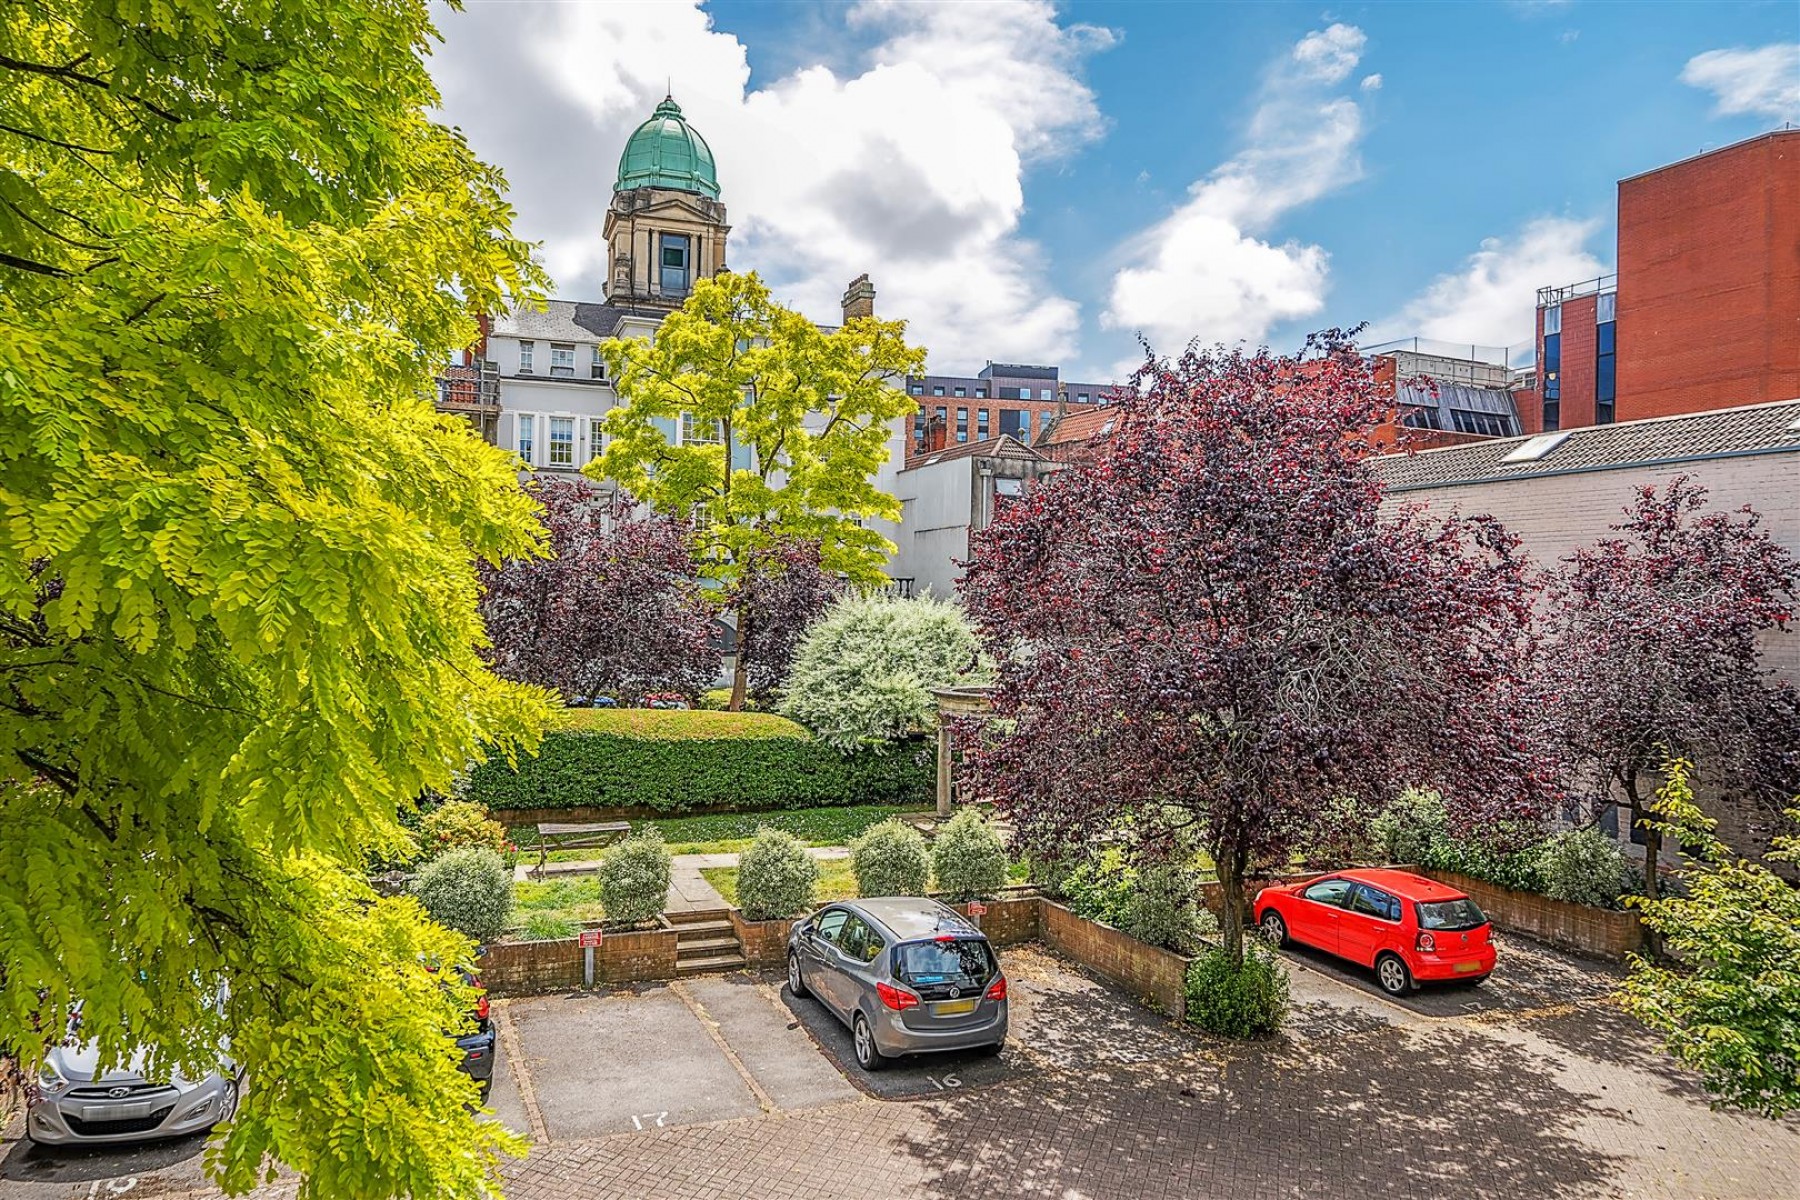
(1597, 286)
(470, 388)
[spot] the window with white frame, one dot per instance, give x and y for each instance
(598, 370)
(562, 360)
(527, 430)
(596, 437)
(526, 350)
(562, 441)
(701, 432)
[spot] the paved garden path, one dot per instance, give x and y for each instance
(688, 889)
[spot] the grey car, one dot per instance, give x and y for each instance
(69, 1105)
(905, 974)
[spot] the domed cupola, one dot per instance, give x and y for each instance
(667, 152)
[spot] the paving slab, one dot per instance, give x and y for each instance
(507, 1105)
(624, 1061)
(768, 1042)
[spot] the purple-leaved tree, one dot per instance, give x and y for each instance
(1212, 627)
(1655, 657)
(782, 591)
(618, 608)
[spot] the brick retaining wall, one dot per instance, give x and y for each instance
(525, 968)
(1157, 977)
(1010, 921)
(1600, 932)
(764, 942)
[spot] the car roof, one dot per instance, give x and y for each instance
(912, 916)
(1405, 884)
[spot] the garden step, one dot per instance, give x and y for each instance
(702, 946)
(700, 916)
(701, 928)
(715, 962)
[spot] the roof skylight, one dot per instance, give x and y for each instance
(1533, 449)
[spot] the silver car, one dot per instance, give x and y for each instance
(905, 974)
(69, 1106)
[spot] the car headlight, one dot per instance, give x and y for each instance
(49, 1078)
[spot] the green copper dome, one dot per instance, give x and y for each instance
(666, 152)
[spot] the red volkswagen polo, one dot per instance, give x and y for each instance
(1408, 928)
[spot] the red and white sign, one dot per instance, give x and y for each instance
(977, 909)
(590, 938)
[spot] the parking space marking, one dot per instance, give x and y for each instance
(515, 1061)
(712, 1030)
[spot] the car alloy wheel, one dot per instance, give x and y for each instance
(796, 984)
(1392, 975)
(1274, 928)
(228, 1101)
(868, 1057)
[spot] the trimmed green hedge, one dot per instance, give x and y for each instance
(674, 760)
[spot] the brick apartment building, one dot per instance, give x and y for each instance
(1704, 311)
(1003, 400)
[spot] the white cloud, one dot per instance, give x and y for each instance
(1764, 81)
(1372, 83)
(909, 166)
(1491, 300)
(1209, 270)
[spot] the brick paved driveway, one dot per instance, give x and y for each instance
(1541, 1089)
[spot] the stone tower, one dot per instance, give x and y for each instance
(665, 227)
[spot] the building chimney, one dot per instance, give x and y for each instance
(859, 299)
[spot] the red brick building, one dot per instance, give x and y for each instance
(1704, 312)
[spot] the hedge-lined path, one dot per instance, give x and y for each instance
(688, 889)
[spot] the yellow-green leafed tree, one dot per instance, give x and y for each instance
(237, 586)
(782, 427)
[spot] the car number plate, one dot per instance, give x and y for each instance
(952, 1008)
(116, 1112)
(1467, 967)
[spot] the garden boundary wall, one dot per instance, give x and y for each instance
(1156, 976)
(528, 968)
(1607, 933)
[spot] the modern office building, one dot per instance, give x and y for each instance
(1003, 400)
(1704, 311)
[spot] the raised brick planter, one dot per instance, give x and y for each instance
(1010, 920)
(764, 942)
(1157, 977)
(1598, 932)
(526, 968)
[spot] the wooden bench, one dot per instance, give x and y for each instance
(593, 835)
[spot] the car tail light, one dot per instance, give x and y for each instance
(997, 989)
(1426, 943)
(481, 1009)
(896, 999)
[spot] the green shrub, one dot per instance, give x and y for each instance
(634, 878)
(864, 672)
(457, 823)
(890, 859)
(1584, 866)
(1163, 908)
(547, 927)
(468, 889)
(678, 760)
(969, 859)
(1052, 874)
(1236, 1001)
(1405, 831)
(719, 700)
(776, 877)
(1098, 888)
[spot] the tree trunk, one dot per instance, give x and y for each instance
(1641, 818)
(1230, 867)
(740, 671)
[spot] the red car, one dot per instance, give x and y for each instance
(1408, 928)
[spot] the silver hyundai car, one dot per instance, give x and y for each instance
(69, 1105)
(906, 975)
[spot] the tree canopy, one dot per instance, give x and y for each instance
(616, 609)
(1212, 630)
(761, 427)
(1656, 654)
(238, 622)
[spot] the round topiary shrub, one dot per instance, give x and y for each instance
(458, 823)
(890, 859)
(1584, 866)
(969, 859)
(776, 876)
(469, 890)
(634, 878)
(1238, 1001)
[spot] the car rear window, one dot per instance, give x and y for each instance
(959, 961)
(1451, 914)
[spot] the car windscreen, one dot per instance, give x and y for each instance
(956, 961)
(1450, 914)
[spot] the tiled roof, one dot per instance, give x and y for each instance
(1004, 446)
(1721, 433)
(1079, 425)
(561, 321)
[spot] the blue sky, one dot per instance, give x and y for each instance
(1041, 183)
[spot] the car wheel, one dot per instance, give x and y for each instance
(1274, 928)
(796, 984)
(991, 1049)
(1477, 981)
(868, 1055)
(1392, 975)
(228, 1102)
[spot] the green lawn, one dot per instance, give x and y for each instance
(555, 908)
(729, 833)
(836, 880)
